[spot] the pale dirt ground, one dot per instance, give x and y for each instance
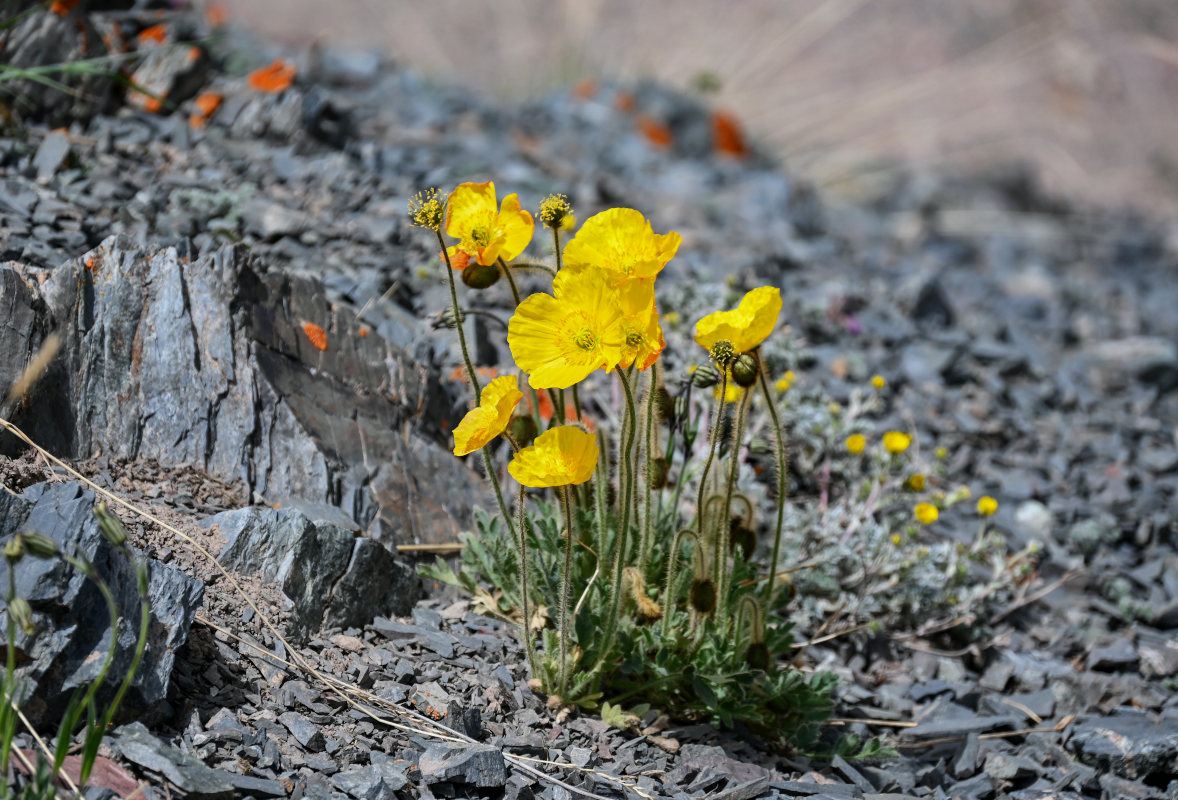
(1087, 90)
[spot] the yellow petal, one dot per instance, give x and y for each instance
(514, 227)
(488, 420)
(620, 240)
(470, 206)
(562, 456)
(746, 326)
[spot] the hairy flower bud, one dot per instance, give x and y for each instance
(757, 656)
(703, 595)
(40, 545)
(742, 539)
(479, 276)
(744, 370)
(449, 319)
(705, 376)
(522, 430)
(656, 473)
(14, 548)
(22, 615)
(110, 526)
(664, 404)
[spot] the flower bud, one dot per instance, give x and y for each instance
(40, 545)
(22, 615)
(757, 656)
(705, 376)
(449, 319)
(110, 526)
(664, 404)
(656, 473)
(703, 595)
(742, 539)
(480, 276)
(744, 370)
(14, 548)
(522, 429)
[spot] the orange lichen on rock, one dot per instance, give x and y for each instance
(315, 335)
(152, 105)
(274, 78)
(586, 89)
(63, 7)
(157, 34)
(624, 102)
(205, 105)
(216, 14)
(727, 135)
(655, 132)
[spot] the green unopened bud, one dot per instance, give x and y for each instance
(757, 656)
(40, 545)
(723, 353)
(14, 548)
(744, 370)
(110, 526)
(705, 376)
(554, 209)
(522, 430)
(22, 615)
(664, 404)
(450, 319)
(656, 473)
(480, 276)
(703, 595)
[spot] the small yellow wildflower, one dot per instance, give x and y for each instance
(856, 442)
(672, 319)
(744, 327)
(784, 382)
(896, 442)
(878, 381)
(987, 506)
(834, 408)
(926, 513)
(941, 453)
(562, 456)
(916, 482)
(484, 423)
(896, 539)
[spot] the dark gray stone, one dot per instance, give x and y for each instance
(71, 617)
(258, 787)
(186, 773)
(51, 154)
(392, 771)
(374, 583)
(1007, 767)
(1130, 743)
(959, 726)
(305, 731)
(194, 360)
(1119, 656)
(364, 783)
(966, 762)
(479, 765)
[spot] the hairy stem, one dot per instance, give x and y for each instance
(782, 478)
(474, 379)
(565, 581)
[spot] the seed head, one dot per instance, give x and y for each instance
(723, 353)
(427, 209)
(555, 210)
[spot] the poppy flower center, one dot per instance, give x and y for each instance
(634, 338)
(481, 236)
(585, 338)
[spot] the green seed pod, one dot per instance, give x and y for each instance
(656, 473)
(744, 370)
(22, 615)
(110, 526)
(758, 656)
(705, 376)
(703, 595)
(450, 319)
(40, 545)
(522, 429)
(14, 548)
(742, 539)
(478, 276)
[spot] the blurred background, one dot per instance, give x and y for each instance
(1086, 91)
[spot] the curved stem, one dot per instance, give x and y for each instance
(510, 280)
(782, 478)
(673, 574)
(534, 265)
(474, 380)
(712, 443)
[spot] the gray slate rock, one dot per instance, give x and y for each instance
(479, 765)
(1132, 744)
(330, 576)
(205, 361)
(185, 772)
(72, 619)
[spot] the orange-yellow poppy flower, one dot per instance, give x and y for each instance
(559, 339)
(489, 418)
(746, 326)
(486, 233)
(561, 456)
(640, 320)
(621, 240)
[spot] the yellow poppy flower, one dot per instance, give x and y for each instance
(484, 423)
(855, 443)
(561, 456)
(485, 234)
(896, 442)
(746, 326)
(643, 340)
(621, 240)
(559, 339)
(987, 506)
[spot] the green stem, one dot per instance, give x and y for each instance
(700, 509)
(510, 280)
(566, 577)
(782, 478)
(474, 380)
(723, 575)
(577, 401)
(10, 704)
(556, 244)
(644, 538)
(673, 573)
(523, 578)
